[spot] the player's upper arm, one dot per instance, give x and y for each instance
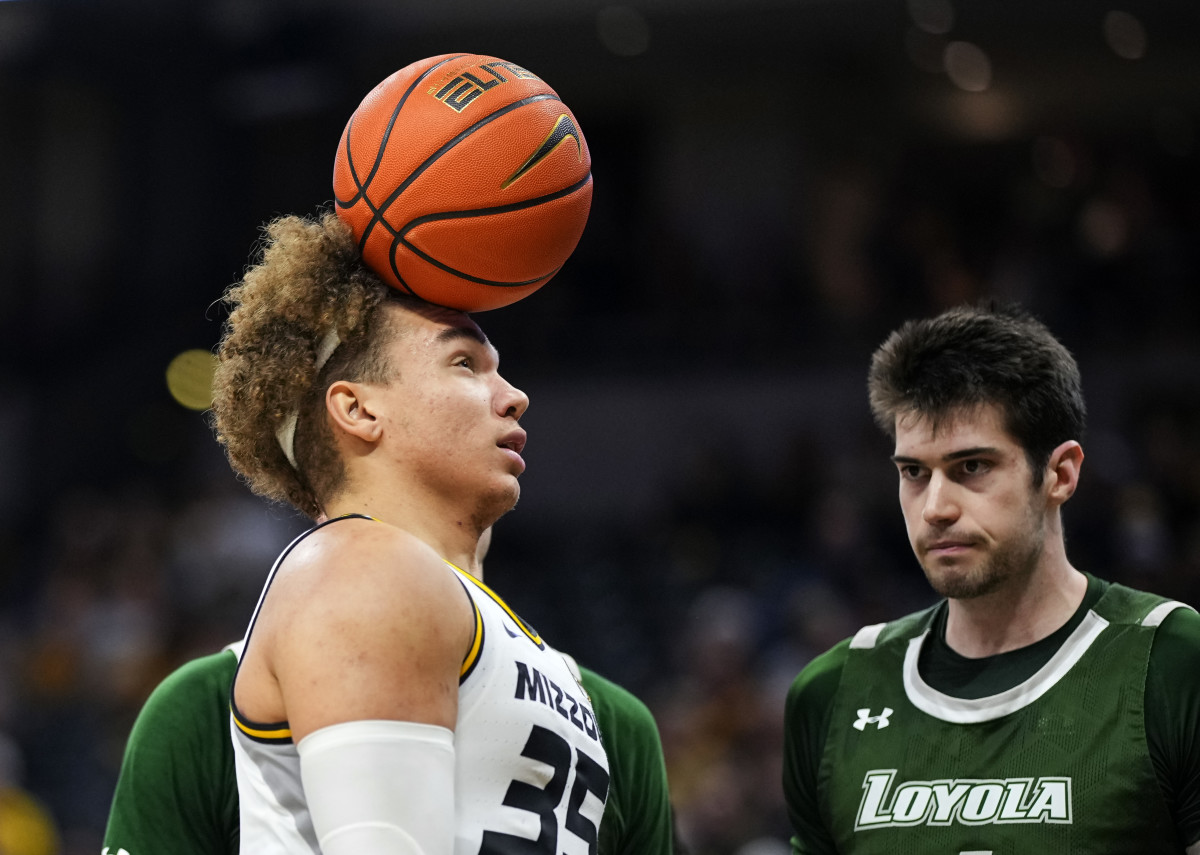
(806, 723)
(368, 623)
(1173, 718)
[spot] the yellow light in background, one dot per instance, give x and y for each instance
(190, 378)
(25, 826)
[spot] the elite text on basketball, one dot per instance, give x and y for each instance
(464, 87)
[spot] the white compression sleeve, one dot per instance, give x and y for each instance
(380, 787)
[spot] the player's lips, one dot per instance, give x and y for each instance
(515, 443)
(947, 547)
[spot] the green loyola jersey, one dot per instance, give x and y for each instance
(177, 793)
(1057, 764)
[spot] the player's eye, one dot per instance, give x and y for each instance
(974, 467)
(910, 472)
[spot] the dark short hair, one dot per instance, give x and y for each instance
(975, 356)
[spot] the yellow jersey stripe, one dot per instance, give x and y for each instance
(259, 733)
(476, 644)
(535, 637)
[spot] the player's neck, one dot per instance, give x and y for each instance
(453, 534)
(1017, 615)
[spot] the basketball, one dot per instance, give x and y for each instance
(465, 180)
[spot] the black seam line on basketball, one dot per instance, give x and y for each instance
(494, 283)
(398, 234)
(460, 274)
(499, 209)
(377, 213)
(503, 209)
(362, 185)
(353, 173)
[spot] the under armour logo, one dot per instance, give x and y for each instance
(880, 721)
(104, 851)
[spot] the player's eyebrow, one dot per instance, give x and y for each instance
(457, 332)
(971, 452)
(948, 458)
(470, 332)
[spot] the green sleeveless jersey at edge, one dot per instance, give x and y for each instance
(177, 791)
(878, 761)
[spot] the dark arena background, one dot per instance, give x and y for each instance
(707, 505)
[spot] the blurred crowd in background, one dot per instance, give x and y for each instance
(747, 234)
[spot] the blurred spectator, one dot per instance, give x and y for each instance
(25, 825)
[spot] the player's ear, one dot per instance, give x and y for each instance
(351, 411)
(1062, 471)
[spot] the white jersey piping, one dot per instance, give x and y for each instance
(971, 711)
(1159, 613)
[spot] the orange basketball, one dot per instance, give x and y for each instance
(465, 180)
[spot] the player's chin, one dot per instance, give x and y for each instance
(505, 493)
(961, 581)
(946, 575)
(494, 504)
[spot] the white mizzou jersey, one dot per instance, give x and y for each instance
(531, 774)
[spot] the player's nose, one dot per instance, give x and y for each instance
(941, 506)
(511, 400)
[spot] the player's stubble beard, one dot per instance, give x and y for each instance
(1009, 563)
(492, 505)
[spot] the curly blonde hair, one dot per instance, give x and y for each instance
(309, 279)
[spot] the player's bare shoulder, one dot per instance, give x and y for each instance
(362, 568)
(375, 615)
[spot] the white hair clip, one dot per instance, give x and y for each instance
(286, 434)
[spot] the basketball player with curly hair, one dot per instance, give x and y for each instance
(1036, 708)
(386, 700)
(178, 791)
